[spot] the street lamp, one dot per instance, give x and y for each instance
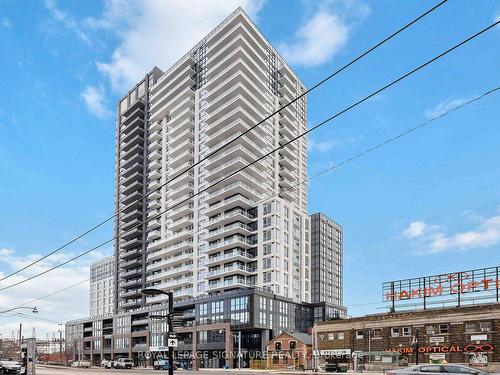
(34, 310)
(156, 292)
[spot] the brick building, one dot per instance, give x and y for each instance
(289, 350)
(467, 335)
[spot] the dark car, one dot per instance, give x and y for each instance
(437, 370)
(331, 367)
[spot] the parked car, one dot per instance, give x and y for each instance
(108, 364)
(437, 370)
(9, 366)
(331, 367)
(123, 363)
(162, 364)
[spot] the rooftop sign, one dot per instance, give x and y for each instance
(456, 288)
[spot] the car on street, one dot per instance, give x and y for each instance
(9, 366)
(429, 369)
(123, 363)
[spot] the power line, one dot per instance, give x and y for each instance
(324, 171)
(378, 91)
(51, 294)
(389, 140)
(344, 67)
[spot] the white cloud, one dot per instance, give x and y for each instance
(5, 22)
(317, 40)
(445, 106)
(66, 20)
(434, 239)
(158, 33)
(321, 146)
(71, 304)
(415, 229)
(94, 99)
(324, 33)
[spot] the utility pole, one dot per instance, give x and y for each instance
(60, 347)
(20, 336)
(239, 350)
(170, 330)
(416, 347)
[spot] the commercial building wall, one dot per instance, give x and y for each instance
(456, 335)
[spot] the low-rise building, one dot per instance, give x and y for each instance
(289, 350)
(467, 334)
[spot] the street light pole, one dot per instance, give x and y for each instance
(155, 292)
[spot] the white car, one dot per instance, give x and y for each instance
(9, 366)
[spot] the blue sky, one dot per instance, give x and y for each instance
(429, 203)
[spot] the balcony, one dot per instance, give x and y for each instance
(235, 282)
(172, 172)
(155, 126)
(183, 221)
(181, 211)
(155, 136)
(154, 234)
(237, 200)
(231, 270)
(181, 158)
(173, 260)
(136, 242)
(130, 254)
(155, 155)
(186, 134)
(237, 214)
(232, 189)
(234, 255)
(173, 271)
(131, 273)
(153, 224)
(180, 191)
(228, 230)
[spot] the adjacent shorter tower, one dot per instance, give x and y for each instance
(326, 260)
(102, 287)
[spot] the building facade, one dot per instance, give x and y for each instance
(289, 350)
(210, 327)
(102, 287)
(326, 260)
(243, 229)
(466, 335)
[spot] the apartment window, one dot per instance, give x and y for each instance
(266, 222)
(267, 263)
(266, 276)
(267, 249)
(293, 345)
(429, 330)
(395, 332)
(360, 335)
(485, 326)
(444, 328)
(277, 345)
(406, 331)
(240, 303)
(266, 235)
(470, 327)
(266, 208)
